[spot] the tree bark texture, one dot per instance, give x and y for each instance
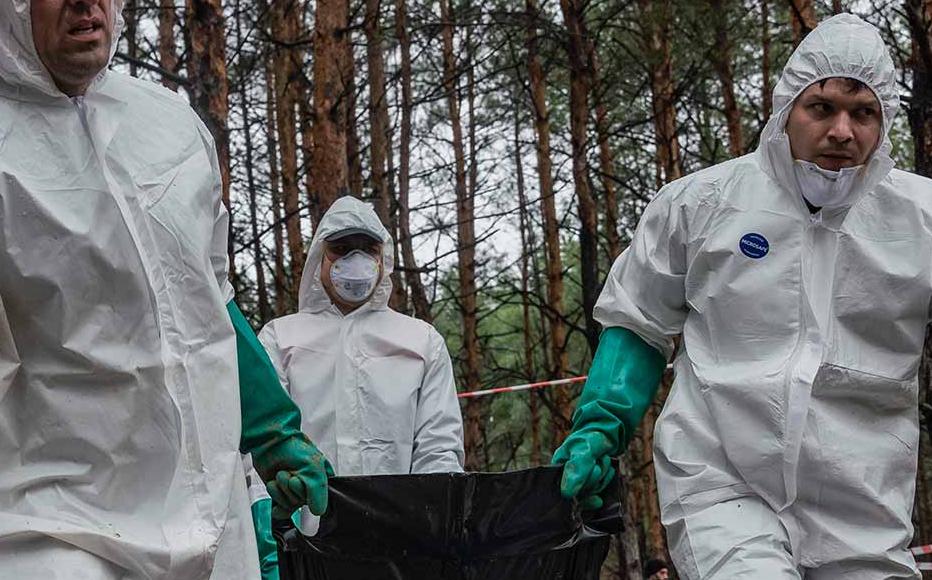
(548, 209)
(656, 15)
(168, 55)
(919, 18)
(378, 136)
(722, 62)
(262, 295)
(286, 20)
(466, 248)
(802, 18)
(209, 87)
(282, 286)
(766, 89)
(329, 169)
(579, 50)
(412, 272)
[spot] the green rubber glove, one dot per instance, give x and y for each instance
(268, 549)
(623, 380)
(294, 471)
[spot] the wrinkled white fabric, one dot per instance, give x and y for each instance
(825, 188)
(375, 387)
(354, 276)
(119, 407)
(796, 380)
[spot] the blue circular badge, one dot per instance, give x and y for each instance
(754, 246)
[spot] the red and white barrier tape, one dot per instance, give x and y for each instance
(924, 565)
(539, 385)
(919, 550)
(528, 386)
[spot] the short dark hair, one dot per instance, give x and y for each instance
(653, 566)
(854, 85)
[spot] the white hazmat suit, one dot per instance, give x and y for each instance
(119, 406)
(375, 387)
(788, 445)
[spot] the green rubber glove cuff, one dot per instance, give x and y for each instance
(268, 549)
(623, 380)
(294, 471)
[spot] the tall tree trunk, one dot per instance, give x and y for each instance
(131, 17)
(168, 56)
(554, 262)
(656, 16)
(353, 152)
(837, 8)
(262, 296)
(802, 19)
(378, 139)
(466, 249)
(209, 88)
(766, 90)
(579, 50)
(330, 172)
(412, 273)
(606, 165)
(282, 287)
(721, 60)
(285, 19)
(919, 19)
(529, 245)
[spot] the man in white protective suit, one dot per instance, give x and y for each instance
(123, 359)
(375, 387)
(800, 277)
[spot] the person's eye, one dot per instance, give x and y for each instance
(820, 108)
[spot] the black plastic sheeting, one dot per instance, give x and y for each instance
(472, 526)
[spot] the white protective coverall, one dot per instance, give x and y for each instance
(788, 445)
(375, 387)
(119, 404)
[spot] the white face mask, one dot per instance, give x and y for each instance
(823, 187)
(354, 276)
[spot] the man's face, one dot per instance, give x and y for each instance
(335, 250)
(835, 124)
(73, 40)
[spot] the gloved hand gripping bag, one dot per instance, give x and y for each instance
(472, 526)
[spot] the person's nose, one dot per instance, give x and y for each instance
(841, 130)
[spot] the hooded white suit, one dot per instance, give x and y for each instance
(119, 405)
(788, 445)
(375, 387)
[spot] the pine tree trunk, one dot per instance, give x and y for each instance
(529, 245)
(168, 57)
(378, 137)
(285, 19)
(209, 87)
(919, 19)
(802, 19)
(130, 31)
(262, 296)
(656, 17)
(412, 273)
(553, 258)
(466, 250)
(606, 165)
(579, 50)
(837, 8)
(721, 61)
(766, 90)
(353, 152)
(329, 175)
(282, 286)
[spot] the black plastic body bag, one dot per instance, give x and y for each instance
(464, 526)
